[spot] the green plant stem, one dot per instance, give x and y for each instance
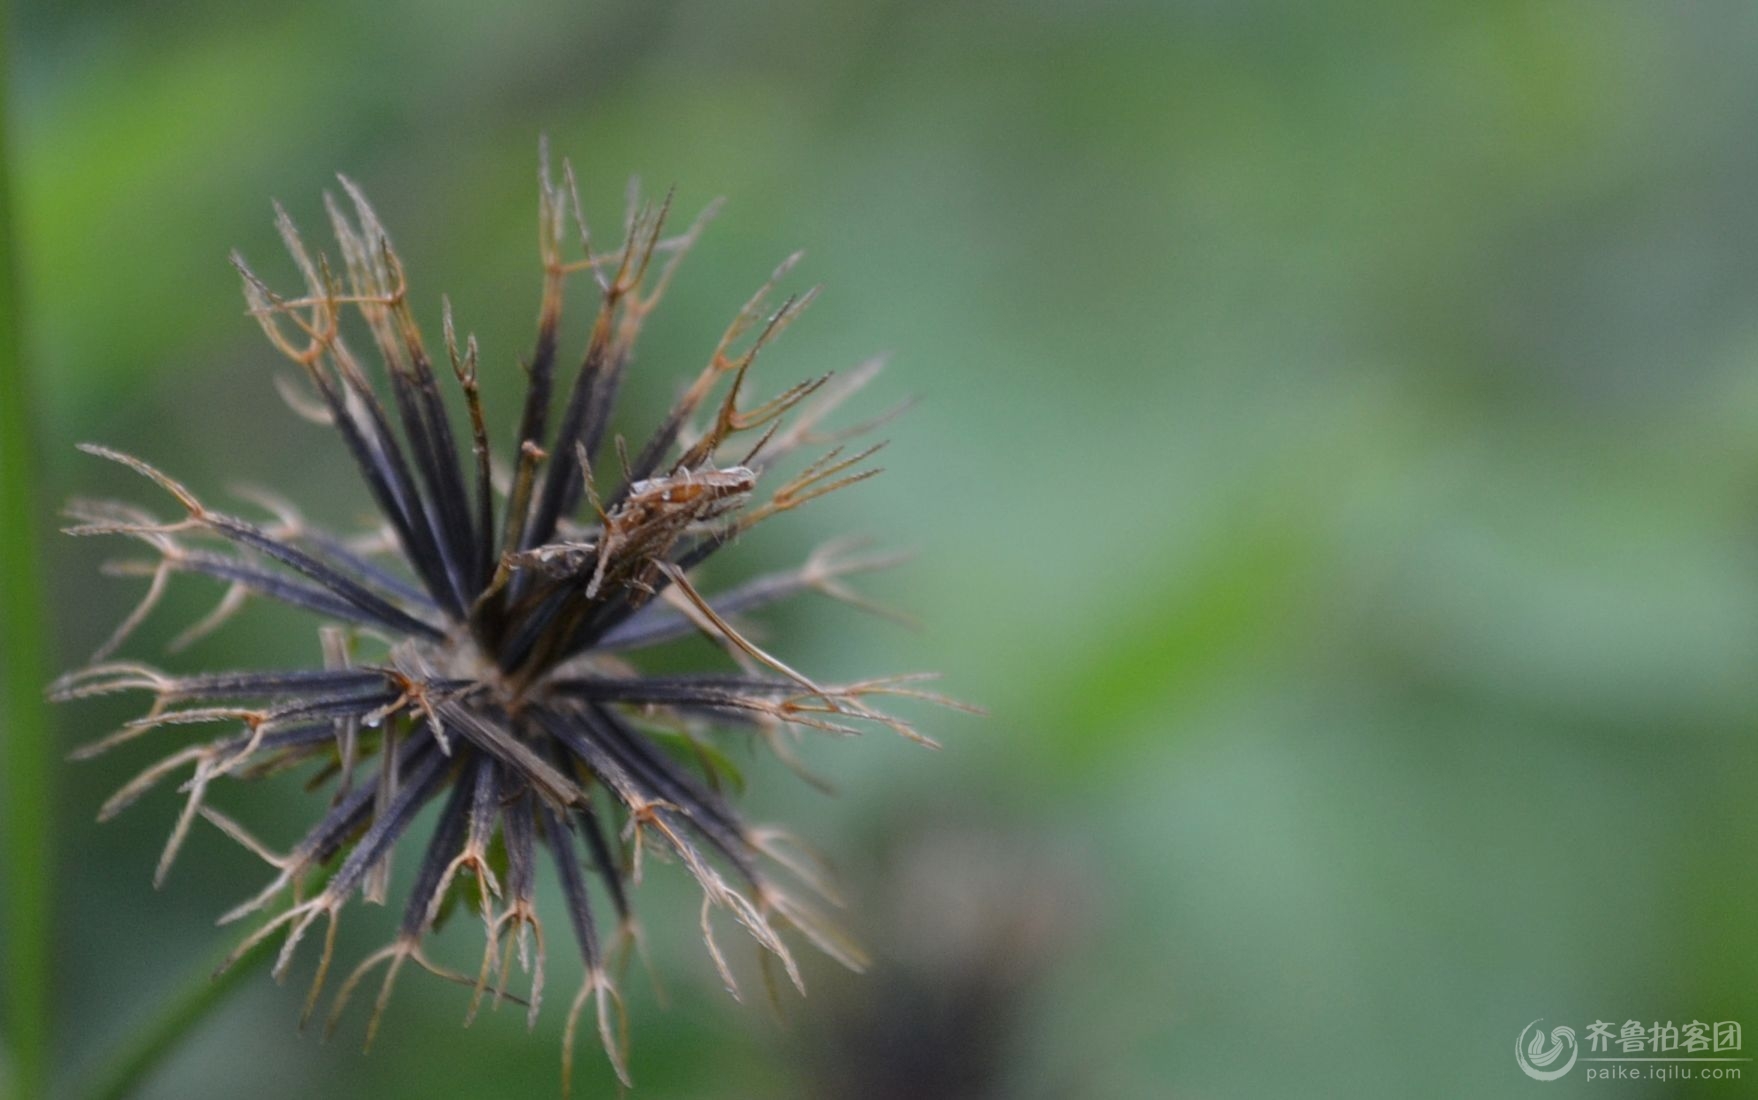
(147, 1049)
(142, 1053)
(25, 736)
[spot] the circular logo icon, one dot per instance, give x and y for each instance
(1537, 1054)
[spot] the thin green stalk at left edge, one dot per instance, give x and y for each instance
(24, 727)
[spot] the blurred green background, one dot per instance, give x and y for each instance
(1335, 469)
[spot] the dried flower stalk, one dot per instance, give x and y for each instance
(474, 645)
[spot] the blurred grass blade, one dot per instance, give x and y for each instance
(124, 1072)
(25, 731)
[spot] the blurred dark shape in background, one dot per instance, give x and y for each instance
(968, 925)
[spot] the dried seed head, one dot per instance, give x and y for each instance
(473, 643)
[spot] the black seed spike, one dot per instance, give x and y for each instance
(254, 537)
(603, 860)
(448, 837)
(419, 784)
(519, 832)
(310, 598)
(387, 477)
(560, 839)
